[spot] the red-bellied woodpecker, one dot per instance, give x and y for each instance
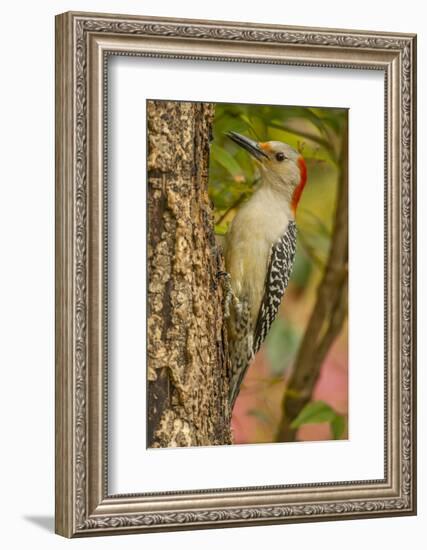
(259, 251)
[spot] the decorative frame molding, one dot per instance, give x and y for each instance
(83, 43)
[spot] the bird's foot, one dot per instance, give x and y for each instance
(229, 295)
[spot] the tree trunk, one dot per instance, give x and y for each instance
(187, 355)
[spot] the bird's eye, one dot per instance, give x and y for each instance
(280, 156)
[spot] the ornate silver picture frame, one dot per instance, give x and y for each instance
(84, 505)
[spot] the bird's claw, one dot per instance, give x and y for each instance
(228, 291)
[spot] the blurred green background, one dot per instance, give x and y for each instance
(233, 176)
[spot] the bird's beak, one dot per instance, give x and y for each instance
(251, 146)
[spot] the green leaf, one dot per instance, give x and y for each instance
(338, 426)
(311, 151)
(225, 159)
(315, 412)
(334, 118)
(258, 127)
(318, 412)
(246, 120)
(317, 121)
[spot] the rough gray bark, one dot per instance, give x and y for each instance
(187, 356)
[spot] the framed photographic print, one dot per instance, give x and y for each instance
(235, 274)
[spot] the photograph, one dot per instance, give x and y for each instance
(235, 272)
(247, 273)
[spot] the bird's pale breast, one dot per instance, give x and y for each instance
(255, 228)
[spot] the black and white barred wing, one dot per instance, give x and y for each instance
(278, 275)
